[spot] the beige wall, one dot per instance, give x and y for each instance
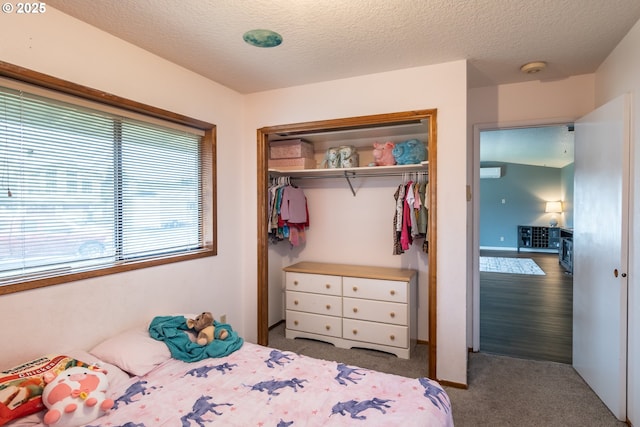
(532, 101)
(80, 314)
(359, 232)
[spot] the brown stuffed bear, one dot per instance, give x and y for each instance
(203, 325)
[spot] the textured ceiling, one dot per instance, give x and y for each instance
(327, 40)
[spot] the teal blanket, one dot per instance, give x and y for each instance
(172, 331)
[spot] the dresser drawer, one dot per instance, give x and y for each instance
(314, 303)
(383, 290)
(316, 283)
(377, 311)
(314, 323)
(378, 333)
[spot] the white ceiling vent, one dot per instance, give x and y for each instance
(490, 172)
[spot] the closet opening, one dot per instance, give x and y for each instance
(378, 125)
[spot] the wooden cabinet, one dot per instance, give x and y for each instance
(565, 252)
(353, 306)
(538, 237)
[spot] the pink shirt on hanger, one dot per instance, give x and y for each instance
(294, 205)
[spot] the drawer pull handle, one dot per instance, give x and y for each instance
(295, 322)
(355, 289)
(392, 314)
(295, 283)
(296, 302)
(328, 286)
(328, 306)
(392, 337)
(355, 309)
(355, 332)
(393, 292)
(328, 327)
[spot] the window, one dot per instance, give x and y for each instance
(87, 189)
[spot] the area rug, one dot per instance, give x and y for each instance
(492, 264)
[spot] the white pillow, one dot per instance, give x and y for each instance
(133, 351)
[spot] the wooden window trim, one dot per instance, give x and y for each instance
(35, 78)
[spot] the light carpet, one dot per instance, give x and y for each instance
(510, 265)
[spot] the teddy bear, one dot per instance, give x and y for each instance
(75, 396)
(409, 152)
(203, 324)
(383, 154)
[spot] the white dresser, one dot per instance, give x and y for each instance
(353, 306)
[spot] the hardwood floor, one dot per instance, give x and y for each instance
(527, 316)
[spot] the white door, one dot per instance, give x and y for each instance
(601, 194)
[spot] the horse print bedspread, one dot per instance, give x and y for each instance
(260, 386)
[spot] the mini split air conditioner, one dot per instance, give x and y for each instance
(490, 172)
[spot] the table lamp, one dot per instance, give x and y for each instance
(553, 208)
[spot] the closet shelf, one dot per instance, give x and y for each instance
(396, 170)
(348, 173)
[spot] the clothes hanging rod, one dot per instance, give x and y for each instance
(351, 174)
(366, 171)
(347, 174)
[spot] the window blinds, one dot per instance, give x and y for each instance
(82, 188)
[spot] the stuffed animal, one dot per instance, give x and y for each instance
(383, 154)
(349, 157)
(75, 396)
(409, 152)
(331, 158)
(203, 324)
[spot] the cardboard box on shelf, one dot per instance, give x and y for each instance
(290, 149)
(294, 163)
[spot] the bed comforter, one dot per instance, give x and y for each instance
(260, 386)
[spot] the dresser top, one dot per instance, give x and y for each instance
(368, 272)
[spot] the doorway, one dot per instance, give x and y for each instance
(515, 313)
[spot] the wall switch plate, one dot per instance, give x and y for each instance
(223, 318)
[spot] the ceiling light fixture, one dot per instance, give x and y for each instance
(533, 67)
(262, 38)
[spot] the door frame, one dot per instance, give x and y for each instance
(474, 337)
(263, 134)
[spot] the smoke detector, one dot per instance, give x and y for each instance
(533, 67)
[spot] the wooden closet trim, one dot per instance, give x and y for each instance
(337, 125)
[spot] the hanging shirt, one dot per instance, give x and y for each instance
(293, 208)
(397, 221)
(421, 216)
(405, 235)
(410, 198)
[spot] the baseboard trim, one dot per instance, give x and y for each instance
(453, 384)
(276, 324)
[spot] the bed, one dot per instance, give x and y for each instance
(252, 386)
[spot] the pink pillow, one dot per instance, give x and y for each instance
(133, 351)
